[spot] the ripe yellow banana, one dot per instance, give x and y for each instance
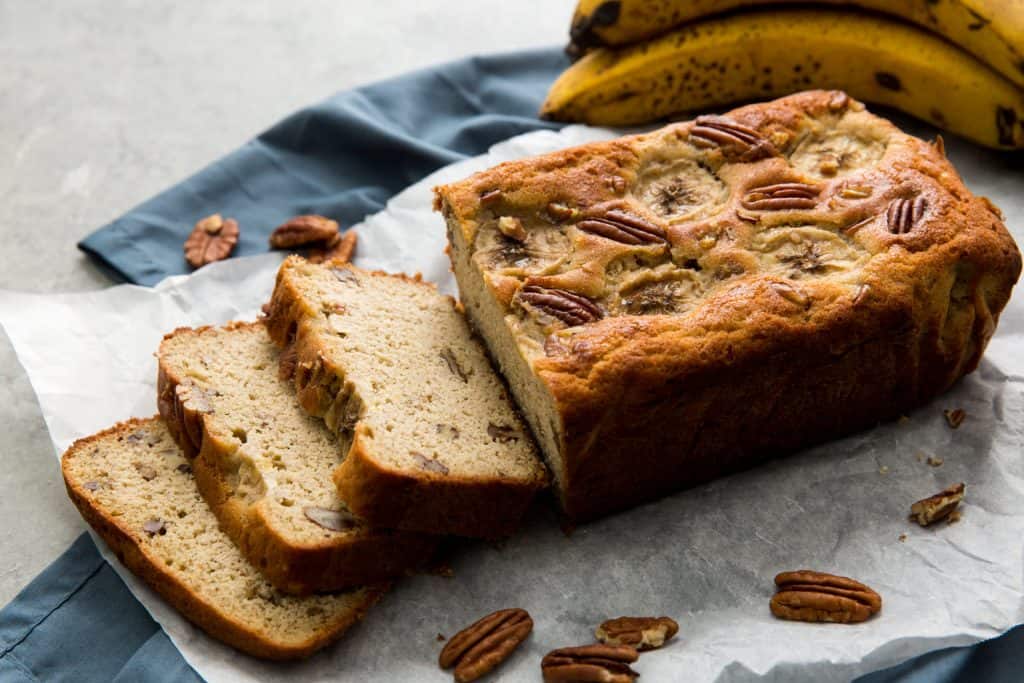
(758, 55)
(991, 30)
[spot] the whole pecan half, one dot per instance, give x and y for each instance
(643, 633)
(940, 506)
(603, 663)
(806, 595)
(478, 648)
(781, 197)
(339, 249)
(302, 230)
(569, 307)
(623, 227)
(903, 214)
(212, 239)
(734, 139)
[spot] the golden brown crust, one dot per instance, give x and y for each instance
(367, 555)
(420, 501)
(206, 615)
(760, 363)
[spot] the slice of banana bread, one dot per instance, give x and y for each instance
(673, 306)
(134, 486)
(433, 440)
(265, 466)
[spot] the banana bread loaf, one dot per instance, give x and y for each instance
(134, 486)
(673, 306)
(264, 465)
(433, 440)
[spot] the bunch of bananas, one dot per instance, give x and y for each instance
(956, 63)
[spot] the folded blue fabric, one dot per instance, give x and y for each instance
(342, 158)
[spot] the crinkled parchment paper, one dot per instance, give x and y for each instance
(705, 556)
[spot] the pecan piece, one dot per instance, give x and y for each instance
(571, 308)
(806, 595)
(478, 648)
(643, 633)
(734, 139)
(340, 249)
(145, 471)
(903, 214)
(955, 417)
(623, 227)
(940, 506)
(211, 240)
(502, 433)
(448, 356)
(782, 197)
(302, 230)
(603, 663)
(512, 228)
(429, 464)
(155, 527)
(332, 520)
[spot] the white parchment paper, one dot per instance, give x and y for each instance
(705, 556)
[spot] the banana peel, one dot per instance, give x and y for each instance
(991, 30)
(766, 54)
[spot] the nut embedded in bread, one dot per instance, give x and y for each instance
(134, 486)
(433, 442)
(265, 466)
(691, 301)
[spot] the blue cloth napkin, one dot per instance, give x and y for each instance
(342, 158)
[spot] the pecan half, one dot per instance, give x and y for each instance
(571, 308)
(806, 595)
(903, 214)
(603, 663)
(332, 520)
(485, 644)
(623, 227)
(211, 240)
(302, 230)
(340, 249)
(734, 139)
(782, 197)
(940, 506)
(643, 633)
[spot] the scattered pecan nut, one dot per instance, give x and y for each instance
(340, 249)
(954, 417)
(211, 240)
(938, 507)
(806, 595)
(479, 648)
(604, 663)
(302, 230)
(903, 214)
(642, 633)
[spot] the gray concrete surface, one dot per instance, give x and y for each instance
(104, 103)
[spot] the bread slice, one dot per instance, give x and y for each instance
(674, 306)
(434, 443)
(134, 486)
(264, 465)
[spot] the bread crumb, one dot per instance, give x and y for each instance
(884, 469)
(903, 538)
(934, 461)
(903, 420)
(953, 517)
(441, 637)
(954, 417)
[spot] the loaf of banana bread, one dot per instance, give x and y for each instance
(674, 306)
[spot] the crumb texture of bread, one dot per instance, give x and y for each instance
(135, 487)
(673, 306)
(264, 465)
(434, 442)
